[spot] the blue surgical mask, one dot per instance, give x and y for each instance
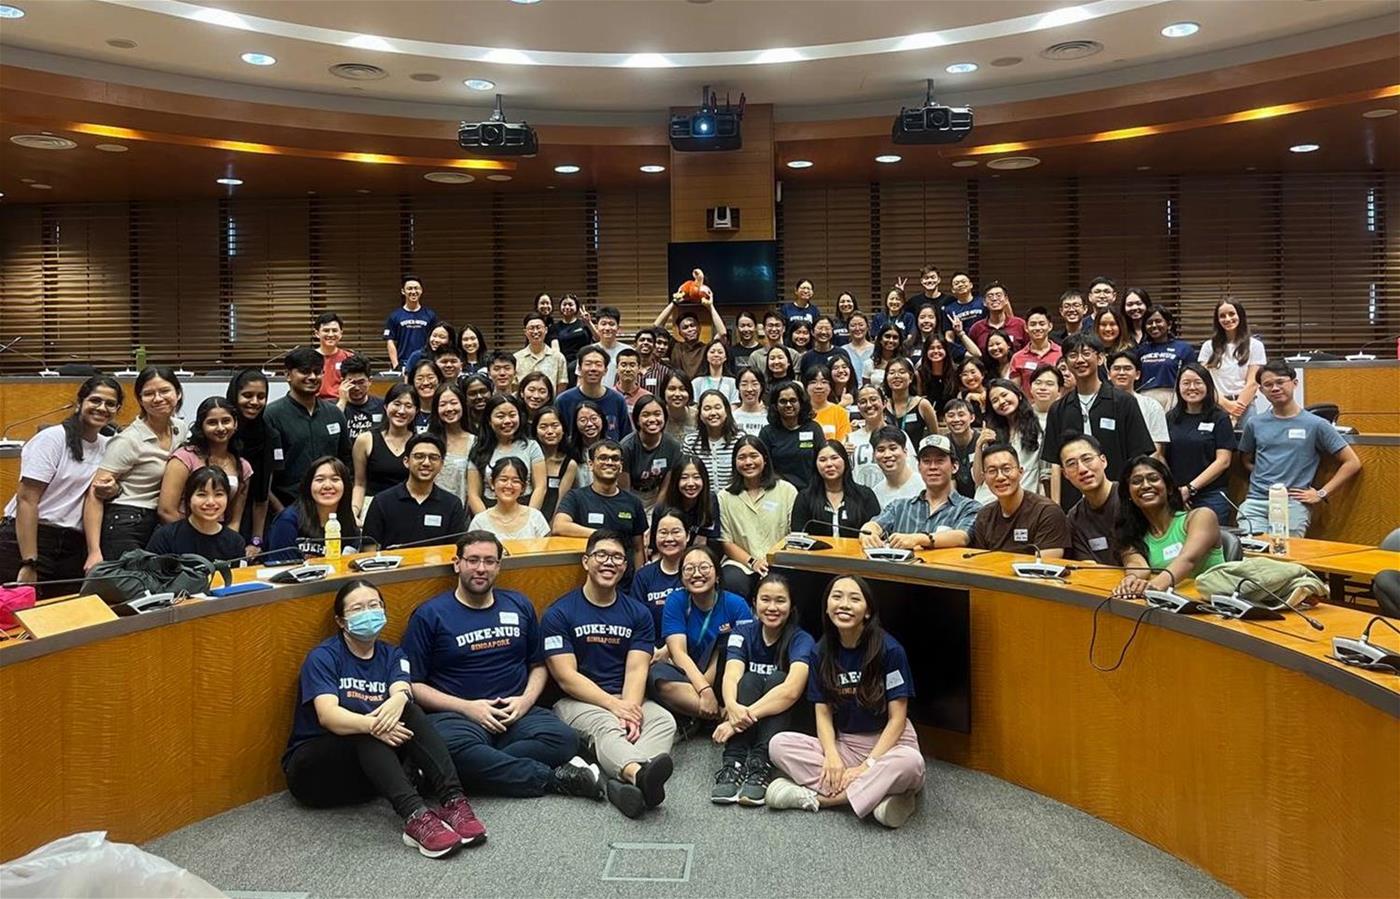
(365, 625)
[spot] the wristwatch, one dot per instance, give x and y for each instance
(256, 541)
(1322, 493)
(931, 542)
(28, 563)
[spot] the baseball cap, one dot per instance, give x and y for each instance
(936, 442)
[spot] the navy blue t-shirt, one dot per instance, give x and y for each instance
(474, 653)
(746, 645)
(969, 314)
(598, 637)
(409, 330)
(360, 685)
(650, 587)
(849, 715)
(613, 405)
(1161, 362)
(793, 313)
(703, 630)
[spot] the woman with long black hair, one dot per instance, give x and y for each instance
(503, 434)
(299, 532)
(262, 447)
(755, 510)
(213, 440)
(866, 754)
(1202, 442)
(1010, 419)
(1233, 356)
(689, 494)
(1162, 543)
(41, 536)
(833, 504)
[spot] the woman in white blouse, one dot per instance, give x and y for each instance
(508, 519)
(1233, 356)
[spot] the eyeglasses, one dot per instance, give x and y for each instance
(102, 404)
(425, 457)
(603, 555)
(702, 568)
(1000, 471)
(1083, 352)
(479, 561)
(1077, 462)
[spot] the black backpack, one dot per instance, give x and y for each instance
(138, 572)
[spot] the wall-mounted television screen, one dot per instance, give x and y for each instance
(740, 272)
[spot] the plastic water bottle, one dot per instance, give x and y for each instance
(140, 357)
(332, 537)
(1278, 519)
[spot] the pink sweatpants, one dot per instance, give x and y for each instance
(900, 770)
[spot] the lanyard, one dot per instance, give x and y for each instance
(705, 625)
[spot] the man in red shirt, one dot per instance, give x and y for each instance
(329, 329)
(999, 318)
(1039, 352)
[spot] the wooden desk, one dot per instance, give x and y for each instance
(1360, 565)
(1304, 549)
(1237, 746)
(146, 724)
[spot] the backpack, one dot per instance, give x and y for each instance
(138, 572)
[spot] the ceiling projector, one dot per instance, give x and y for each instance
(931, 123)
(710, 127)
(497, 137)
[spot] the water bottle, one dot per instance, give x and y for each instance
(1278, 519)
(140, 357)
(332, 538)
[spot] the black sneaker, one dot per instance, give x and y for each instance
(756, 774)
(577, 778)
(727, 782)
(627, 797)
(651, 779)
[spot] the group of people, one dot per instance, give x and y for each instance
(459, 705)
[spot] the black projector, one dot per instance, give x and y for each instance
(932, 124)
(711, 127)
(497, 137)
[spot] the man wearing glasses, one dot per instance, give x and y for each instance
(1094, 518)
(363, 410)
(604, 505)
(598, 644)
(418, 510)
(478, 668)
(1018, 522)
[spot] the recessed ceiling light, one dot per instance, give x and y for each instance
(888, 158)
(45, 141)
(653, 169)
(2, 195)
(479, 84)
(567, 169)
(258, 59)
(111, 148)
(220, 17)
(1304, 148)
(1014, 162)
(800, 164)
(1382, 113)
(228, 182)
(497, 177)
(1180, 29)
(10, 12)
(647, 61)
(370, 42)
(779, 54)
(425, 76)
(449, 177)
(509, 57)
(964, 163)
(525, 2)
(121, 43)
(26, 181)
(37, 186)
(961, 68)
(1144, 168)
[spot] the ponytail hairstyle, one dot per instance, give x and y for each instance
(790, 627)
(73, 424)
(870, 693)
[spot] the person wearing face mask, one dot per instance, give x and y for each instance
(658, 579)
(604, 505)
(356, 725)
(416, 510)
(649, 454)
(309, 427)
(205, 493)
(598, 644)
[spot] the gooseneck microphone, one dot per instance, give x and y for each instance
(5, 439)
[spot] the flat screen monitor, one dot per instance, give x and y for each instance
(740, 272)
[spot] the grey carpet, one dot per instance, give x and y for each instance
(973, 835)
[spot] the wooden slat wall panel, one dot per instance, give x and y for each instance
(1026, 239)
(921, 223)
(269, 268)
(451, 249)
(21, 284)
(826, 239)
(86, 266)
(175, 253)
(355, 269)
(1124, 234)
(632, 228)
(1230, 247)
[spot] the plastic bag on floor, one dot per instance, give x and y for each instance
(86, 864)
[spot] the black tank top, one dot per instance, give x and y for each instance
(384, 468)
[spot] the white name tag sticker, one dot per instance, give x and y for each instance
(1108, 424)
(1030, 365)
(333, 428)
(553, 642)
(829, 430)
(736, 641)
(403, 666)
(894, 679)
(595, 517)
(941, 528)
(337, 366)
(432, 521)
(1021, 535)
(1171, 551)
(1297, 433)
(770, 505)
(650, 382)
(554, 483)
(510, 618)
(278, 454)
(658, 466)
(1205, 427)
(1098, 544)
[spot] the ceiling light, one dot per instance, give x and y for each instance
(964, 163)
(525, 2)
(10, 12)
(1144, 168)
(647, 61)
(1067, 16)
(258, 59)
(1180, 29)
(1304, 148)
(508, 57)
(220, 17)
(480, 84)
(568, 169)
(1014, 162)
(362, 190)
(800, 164)
(961, 68)
(498, 177)
(779, 54)
(888, 158)
(1382, 113)
(653, 169)
(228, 182)
(922, 41)
(449, 177)
(111, 148)
(121, 43)
(45, 141)
(370, 42)
(37, 186)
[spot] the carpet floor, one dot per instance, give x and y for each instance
(973, 835)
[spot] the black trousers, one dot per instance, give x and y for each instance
(753, 687)
(125, 527)
(733, 579)
(333, 770)
(61, 556)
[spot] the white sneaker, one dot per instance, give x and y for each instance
(783, 793)
(893, 811)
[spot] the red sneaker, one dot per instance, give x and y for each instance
(433, 838)
(459, 816)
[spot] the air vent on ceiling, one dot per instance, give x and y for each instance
(1011, 163)
(43, 142)
(1071, 50)
(449, 177)
(358, 71)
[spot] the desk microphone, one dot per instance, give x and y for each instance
(1040, 569)
(1362, 653)
(1362, 356)
(1246, 533)
(979, 552)
(45, 372)
(281, 353)
(6, 440)
(805, 541)
(1234, 605)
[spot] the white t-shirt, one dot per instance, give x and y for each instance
(527, 451)
(750, 422)
(534, 526)
(1229, 377)
(862, 453)
(873, 477)
(1156, 418)
(45, 458)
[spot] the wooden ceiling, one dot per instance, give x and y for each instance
(178, 144)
